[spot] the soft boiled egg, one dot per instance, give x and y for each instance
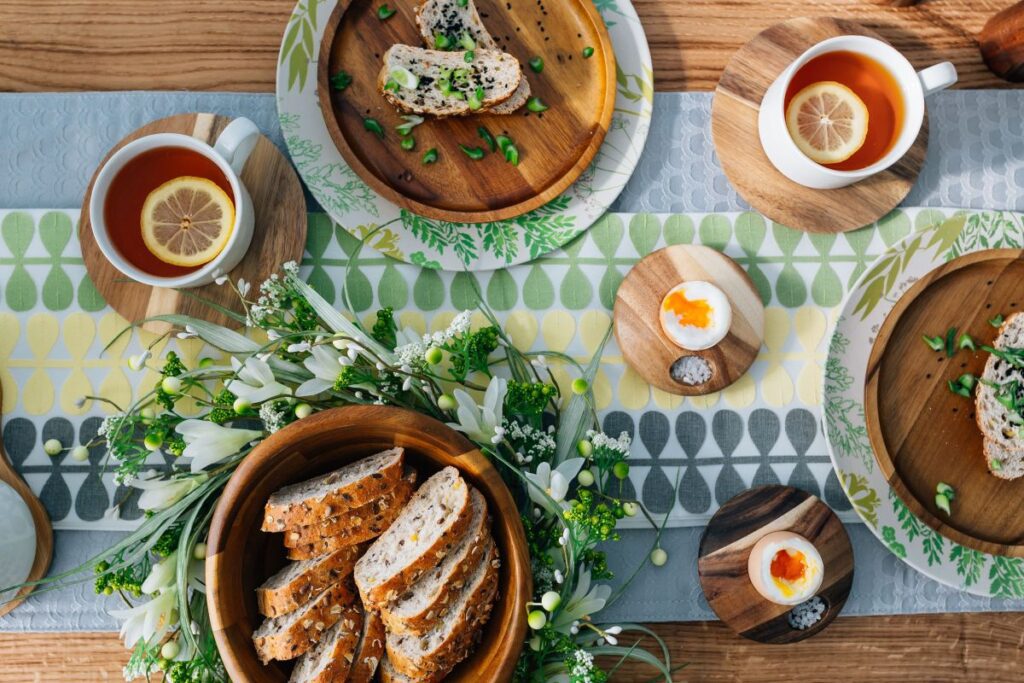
(696, 315)
(785, 568)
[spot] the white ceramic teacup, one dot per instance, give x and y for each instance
(914, 87)
(229, 153)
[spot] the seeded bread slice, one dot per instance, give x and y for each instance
(294, 585)
(291, 635)
(370, 650)
(389, 674)
(330, 660)
(450, 19)
(377, 513)
(1002, 462)
(419, 608)
(497, 73)
(335, 492)
(441, 648)
(1001, 425)
(433, 523)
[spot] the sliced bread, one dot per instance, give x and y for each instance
(425, 602)
(433, 523)
(294, 585)
(330, 660)
(389, 674)
(441, 648)
(377, 513)
(451, 19)
(494, 75)
(335, 492)
(370, 650)
(292, 635)
(1000, 424)
(1003, 462)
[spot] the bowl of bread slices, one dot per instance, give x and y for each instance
(367, 543)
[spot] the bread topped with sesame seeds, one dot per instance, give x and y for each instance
(433, 522)
(333, 493)
(445, 83)
(330, 660)
(1001, 389)
(298, 582)
(292, 635)
(451, 19)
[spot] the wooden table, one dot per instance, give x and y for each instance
(232, 45)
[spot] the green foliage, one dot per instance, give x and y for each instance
(470, 352)
(127, 579)
(384, 329)
(529, 399)
(168, 541)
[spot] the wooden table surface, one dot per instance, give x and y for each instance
(232, 45)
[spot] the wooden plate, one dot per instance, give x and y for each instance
(920, 431)
(241, 557)
(725, 548)
(555, 147)
(734, 127)
(280, 233)
(644, 344)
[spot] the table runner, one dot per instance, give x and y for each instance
(51, 142)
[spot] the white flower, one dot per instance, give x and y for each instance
(481, 423)
(554, 483)
(323, 363)
(585, 601)
(138, 362)
(221, 279)
(255, 381)
(150, 621)
(273, 335)
(159, 493)
(161, 576)
(243, 286)
(208, 443)
(300, 347)
(189, 333)
(540, 362)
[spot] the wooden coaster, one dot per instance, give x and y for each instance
(734, 128)
(555, 147)
(920, 431)
(280, 233)
(725, 548)
(44, 532)
(644, 344)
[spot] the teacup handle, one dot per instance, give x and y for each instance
(938, 77)
(237, 141)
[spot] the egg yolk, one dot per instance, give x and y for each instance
(695, 312)
(788, 566)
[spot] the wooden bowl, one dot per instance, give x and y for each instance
(920, 431)
(241, 556)
(555, 147)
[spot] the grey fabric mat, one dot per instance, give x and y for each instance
(976, 160)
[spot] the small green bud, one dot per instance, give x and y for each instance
(433, 356)
(303, 410)
(80, 453)
(621, 470)
(584, 448)
(446, 402)
(537, 620)
(535, 643)
(631, 509)
(152, 442)
(241, 405)
(585, 478)
(170, 649)
(53, 447)
(206, 362)
(147, 415)
(199, 552)
(550, 601)
(659, 557)
(171, 385)
(580, 386)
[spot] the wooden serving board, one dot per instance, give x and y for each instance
(44, 532)
(920, 431)
(555, 147)
(279, 236)
(725, 548)
(734, 113)
(646, 347)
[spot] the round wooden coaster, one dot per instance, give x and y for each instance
(734, 128)
(280, 233)
(649, 351)
(725, 548)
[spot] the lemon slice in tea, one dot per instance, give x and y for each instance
(828, 122)
(187, 221)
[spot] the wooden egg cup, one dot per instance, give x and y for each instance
(645, 346)
(734, 128)
(725, 549)
(279, 235)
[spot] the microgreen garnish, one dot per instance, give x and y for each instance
(934, 343)
(476, 99)
(474, 153)
(404, 78)
(996, 465)
(509, 149)
(958, 389)
(470, 56)
(466, 42)
(384, 12)
(951, 342)
(944, 495)
(588, 52)
(391, 85)
(535, 105)
(967, 342)
(341, 80)
(430, 156)
(486, 136)
(408, 143)
(441, 41)
(997, 321)
(537, 64)
(373, 125)
(462, 3)
(411, 121)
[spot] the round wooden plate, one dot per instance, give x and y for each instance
(725, 548)
(241, 557)
(644, 344)
(44, 531)
(555, 147)
(920, 431)
(280, 234)
(734, 128)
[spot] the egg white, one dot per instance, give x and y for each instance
(776, 590)
(691, 337)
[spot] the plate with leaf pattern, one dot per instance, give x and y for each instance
(446, 245)
(846, 432)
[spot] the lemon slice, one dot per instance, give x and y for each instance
(187, 221)
(828, 122)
